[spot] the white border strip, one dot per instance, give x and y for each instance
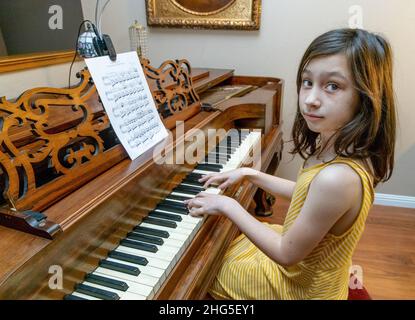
(393, 200)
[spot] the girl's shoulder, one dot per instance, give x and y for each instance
(359, 168)
(340, 168)
(364, 164)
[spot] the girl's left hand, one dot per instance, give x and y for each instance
(211, 204)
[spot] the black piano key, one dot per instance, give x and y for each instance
(211, 165)
(225, 150)
(164, 215)
(145, 238)
(187, 190)
(107, 282)
(225, 154)
(194, 176)
(128, 257)
(221, 152)
(152, 232)
(174, 204)
(178, 198)
(169, 203)
(96, 292)
(72, 297)
(228, 145)
(216, 158)
(159, 222)
(139, 245)
(119, 267)
(165, 207)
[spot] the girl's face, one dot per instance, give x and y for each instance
(328, 99)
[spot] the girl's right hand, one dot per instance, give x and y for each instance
(224, 179)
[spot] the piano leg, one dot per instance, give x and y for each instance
(264, 201)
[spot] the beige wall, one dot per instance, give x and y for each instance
(287, 27)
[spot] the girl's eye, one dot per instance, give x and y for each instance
(307, 83)
(332, 87)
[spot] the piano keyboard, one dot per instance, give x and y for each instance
(137, 268)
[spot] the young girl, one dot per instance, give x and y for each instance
(345, 131)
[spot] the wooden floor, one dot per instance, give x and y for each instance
(386, 251)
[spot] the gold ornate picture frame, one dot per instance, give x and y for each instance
(204, 14)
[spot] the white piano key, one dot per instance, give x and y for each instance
(173, 200)
(204, 172)
(83, 295)
(183, 194)
(188, 184)
(162, 262)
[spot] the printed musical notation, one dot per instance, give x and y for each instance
(128, 102)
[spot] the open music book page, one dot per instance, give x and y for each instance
(128, 101)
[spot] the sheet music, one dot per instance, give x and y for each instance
(128, 102)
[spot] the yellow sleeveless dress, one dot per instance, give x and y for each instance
(247, 273)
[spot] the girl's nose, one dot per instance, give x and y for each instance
(313, 99)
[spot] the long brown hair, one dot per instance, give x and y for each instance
(371, 133)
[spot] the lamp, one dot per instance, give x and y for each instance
(92, 42)
(85, 43)
(138, 39)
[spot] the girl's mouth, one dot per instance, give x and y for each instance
(312, 117)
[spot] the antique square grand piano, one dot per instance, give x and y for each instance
(80, 220)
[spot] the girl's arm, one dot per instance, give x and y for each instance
(331, 194)
(269, 183)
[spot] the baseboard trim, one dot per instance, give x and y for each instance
(394, 200)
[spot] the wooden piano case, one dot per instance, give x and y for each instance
(59, 157)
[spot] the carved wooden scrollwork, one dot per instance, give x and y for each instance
(54, 140)
(49, 129)
(174, 91)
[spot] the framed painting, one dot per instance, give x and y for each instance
(204, 14)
